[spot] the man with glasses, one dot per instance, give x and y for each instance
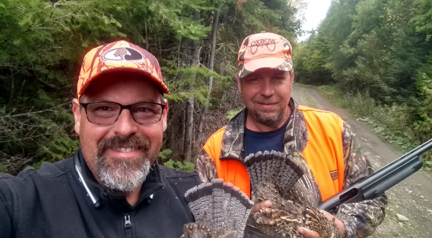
(112, 186)
(273, 121)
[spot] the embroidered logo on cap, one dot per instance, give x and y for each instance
(270, 43)
(122, 54)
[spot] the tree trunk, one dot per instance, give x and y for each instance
(146, 37)
(211, 67)
(191, 101)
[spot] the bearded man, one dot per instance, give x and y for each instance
(273, 121)
(112, 186)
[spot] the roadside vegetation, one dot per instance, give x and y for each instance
(390, 122)
(374, 57)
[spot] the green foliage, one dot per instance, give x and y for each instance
(423, 124)
(42, 44)
(378, 53)
(54, 149)
(181, 165)
(311, 66)
(393, 123)
(185, 165)
(164, 154)
(193, 75)
(231, 113)
(390, 122)
(423, 16)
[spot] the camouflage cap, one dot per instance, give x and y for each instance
(264, 50)
(119, 56)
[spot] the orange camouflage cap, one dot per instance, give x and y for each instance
(118, 56)
(264, 50)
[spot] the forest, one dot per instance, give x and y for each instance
(378, 55)
(376, 51)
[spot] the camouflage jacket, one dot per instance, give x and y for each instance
(360, 219)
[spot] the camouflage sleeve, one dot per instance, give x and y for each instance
(362, 218)
(205, 167)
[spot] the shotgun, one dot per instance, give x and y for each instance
(369, 187)
(376, 183)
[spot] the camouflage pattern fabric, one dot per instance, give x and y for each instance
(266, 50)
(360, 219)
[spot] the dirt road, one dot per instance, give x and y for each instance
(411, 198)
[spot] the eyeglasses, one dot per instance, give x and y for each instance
(107, 113)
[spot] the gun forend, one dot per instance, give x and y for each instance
(375, 184)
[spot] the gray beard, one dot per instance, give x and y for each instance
(268, 121)
(124, 176)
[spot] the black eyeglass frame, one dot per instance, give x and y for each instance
(129, 107)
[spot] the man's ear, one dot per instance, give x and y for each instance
(165, 115)
(77, 115)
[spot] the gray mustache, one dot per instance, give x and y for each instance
(137, 143)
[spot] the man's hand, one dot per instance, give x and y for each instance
(304, 231)
(259, 206)
(313, 234)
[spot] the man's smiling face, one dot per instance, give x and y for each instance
(120, 155)
(266, 94)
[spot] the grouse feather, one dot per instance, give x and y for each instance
(277, 177)
(272, 166)
(220, 210)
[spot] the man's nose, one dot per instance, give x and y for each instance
(267, 88)
(125, 124)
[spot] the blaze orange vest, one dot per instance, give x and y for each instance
(323, 152)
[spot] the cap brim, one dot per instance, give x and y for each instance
(158, 83)
(282, 64)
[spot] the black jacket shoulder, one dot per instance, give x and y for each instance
(49, 170)
(52, 202)
(180, 181)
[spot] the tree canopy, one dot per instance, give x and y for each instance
(42, 44)
(379, 48)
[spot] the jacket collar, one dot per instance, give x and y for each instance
(118, 201)
(296, 135)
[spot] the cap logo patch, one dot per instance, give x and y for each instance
(260, 43)
(122, 54)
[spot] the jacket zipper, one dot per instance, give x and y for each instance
(128, 225)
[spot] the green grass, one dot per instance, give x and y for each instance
(309, 101)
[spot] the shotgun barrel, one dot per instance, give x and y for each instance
(376, 183)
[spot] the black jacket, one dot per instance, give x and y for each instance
(52, 202)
